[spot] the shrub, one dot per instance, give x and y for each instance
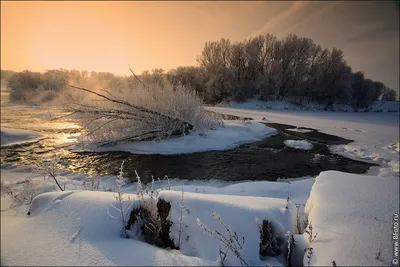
(138, 112)
(230, 241)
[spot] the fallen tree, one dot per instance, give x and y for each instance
(137, 112)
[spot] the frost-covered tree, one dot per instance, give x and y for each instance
(269, 68)
(23, 83)
(220, 86)
(389, 94)
(137, 111)
(365, 91)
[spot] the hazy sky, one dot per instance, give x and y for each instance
(109, 36)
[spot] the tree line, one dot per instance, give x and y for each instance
(262, 67)
(269, 68)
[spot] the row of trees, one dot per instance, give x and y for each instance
(271, 68)
(263, 67)
(38, 87)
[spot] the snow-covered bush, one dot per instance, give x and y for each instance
(230, 241)
(311, 238)
(182, 210)
(134, 111)
(148, 221)
(92, 184)
(123, 206)
(22, 193)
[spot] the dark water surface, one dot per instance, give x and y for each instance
(267, 159)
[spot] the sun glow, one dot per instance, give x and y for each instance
(111, 35)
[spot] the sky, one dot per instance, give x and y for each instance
(111, 36)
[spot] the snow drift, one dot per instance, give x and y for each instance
(353, 215)
(78, 228)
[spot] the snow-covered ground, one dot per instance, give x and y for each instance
(375, 135)
(354, 218)
(232, 134)
(16, 136)
(75, 227)
(353, 214)
(377, 106)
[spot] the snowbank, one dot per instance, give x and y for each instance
(74, 228)
(373, 132)
(78, 228)
(239, 212)
(81, 232)
(353, 215)
(15, 136)
(377, 106)
(299, 144)
(230, 136)
(298, 189)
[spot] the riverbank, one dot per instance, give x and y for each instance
(83, 228)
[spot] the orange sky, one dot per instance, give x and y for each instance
(109, 36)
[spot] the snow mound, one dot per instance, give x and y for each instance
(239, 212)
(82, 228)
(353, 215)
(299, 144)
(231, 135)
(75, 228)
(11, 137)
(299, 190)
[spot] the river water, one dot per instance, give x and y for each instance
(267, 159)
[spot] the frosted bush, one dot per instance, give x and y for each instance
(133, 112)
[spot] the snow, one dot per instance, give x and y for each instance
(373, 132)
(377, 106)
(77, 222)
(299, 130)
(299, 144)
(231, 135)
(74, 228)
(11, 137)
(236, 211)
(353, 215)
(298, 188)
